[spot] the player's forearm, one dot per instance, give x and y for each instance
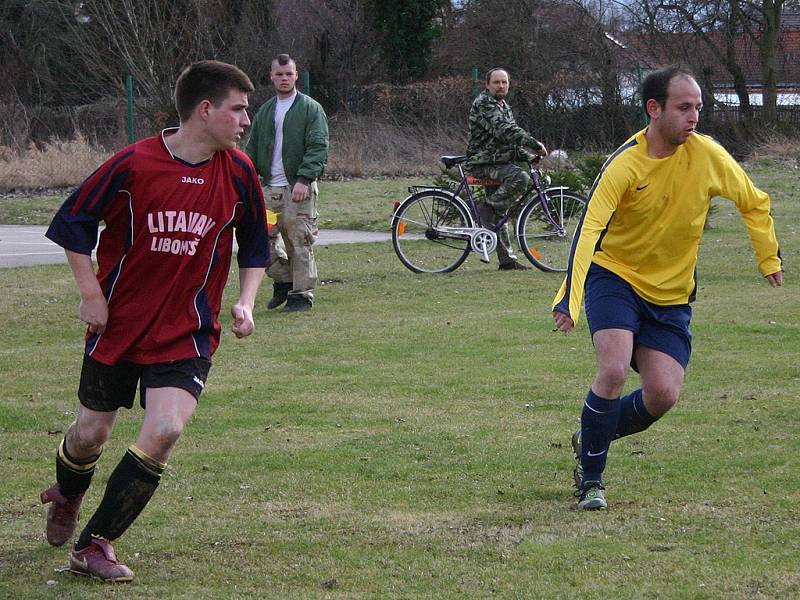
(249, 282)
(83, 272)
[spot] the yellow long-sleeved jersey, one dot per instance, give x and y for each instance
(645, 216)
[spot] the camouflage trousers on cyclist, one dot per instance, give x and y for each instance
(514, 181)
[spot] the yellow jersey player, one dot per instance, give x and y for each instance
(633, 264)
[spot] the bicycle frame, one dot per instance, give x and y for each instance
(544, 218)
(535, 186)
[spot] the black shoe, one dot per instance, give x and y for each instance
(514, 266)
(297, 303)
(280, 291)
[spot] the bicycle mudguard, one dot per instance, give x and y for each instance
(414, 189)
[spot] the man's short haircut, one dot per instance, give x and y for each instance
(210, 80)
(283, 60)
(492, 70)
(656, 84)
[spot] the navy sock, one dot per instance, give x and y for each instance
(633, 416)
(598, 424)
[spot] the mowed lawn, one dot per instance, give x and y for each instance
(409, 438)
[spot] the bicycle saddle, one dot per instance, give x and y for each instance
(452, 161)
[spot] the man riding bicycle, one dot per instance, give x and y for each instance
(495, 142)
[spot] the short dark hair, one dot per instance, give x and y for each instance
(492, 70)
(210, 80)
(656, 84)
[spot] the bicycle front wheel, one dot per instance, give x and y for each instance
(423, 233)
(546, 239)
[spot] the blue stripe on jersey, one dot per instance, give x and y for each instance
(113, 276)
(563, 306)
(205, 327)
(93, 196)
(202, 337)
(74, 226)
(251, 231)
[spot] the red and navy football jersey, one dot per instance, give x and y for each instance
(165, 252)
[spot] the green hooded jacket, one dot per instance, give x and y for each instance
(305, 140)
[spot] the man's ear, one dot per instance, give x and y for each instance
(203, 108)
(653, 108)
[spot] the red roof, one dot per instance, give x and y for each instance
(653, 52)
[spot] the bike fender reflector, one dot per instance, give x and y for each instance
(401, 228)
(477, 181)
(535, 253)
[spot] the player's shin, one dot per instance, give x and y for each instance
(598, 424)
(128, 491)
(633, 415)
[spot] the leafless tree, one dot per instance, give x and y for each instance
(721, 27)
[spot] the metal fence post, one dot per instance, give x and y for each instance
(475, 90)
(307, 83)
(129, 88)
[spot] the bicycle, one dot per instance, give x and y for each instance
(434, 229)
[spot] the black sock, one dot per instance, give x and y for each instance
(73, 475)
(128, 491)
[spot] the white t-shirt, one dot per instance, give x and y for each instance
(277, 177)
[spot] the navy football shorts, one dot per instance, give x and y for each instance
(611, 303)
(106, 388)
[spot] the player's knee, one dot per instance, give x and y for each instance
(519, 183)
(611, 377)
(166, 435)
(661, 398)
(88, 438)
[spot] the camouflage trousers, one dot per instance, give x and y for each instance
(513, 182)
(291, 239)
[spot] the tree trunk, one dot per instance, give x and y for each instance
(768, 48)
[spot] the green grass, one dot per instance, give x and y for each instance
(364, 204)
(410, 438)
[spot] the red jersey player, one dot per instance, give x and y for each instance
(170, 205)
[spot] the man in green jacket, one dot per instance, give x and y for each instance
(496, 142)
(289, 146)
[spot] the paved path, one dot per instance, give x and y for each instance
(23, 245)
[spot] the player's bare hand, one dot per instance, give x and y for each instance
(776, 279)
(299, 192)
(541, 150)
(243, 324)
(93, 310)
(564, 324)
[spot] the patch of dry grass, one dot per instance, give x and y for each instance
(778, 148)
(360, 147)
(57, 163)
(370, 147)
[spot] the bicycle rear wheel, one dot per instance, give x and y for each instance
(421, 236)
(547, 243)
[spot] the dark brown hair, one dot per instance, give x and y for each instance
(210, 80)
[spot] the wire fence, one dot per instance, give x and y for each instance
(376, 130)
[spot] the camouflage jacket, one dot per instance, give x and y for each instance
(494, 136)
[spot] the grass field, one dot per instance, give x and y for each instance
(364, 204)
(409, 438)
